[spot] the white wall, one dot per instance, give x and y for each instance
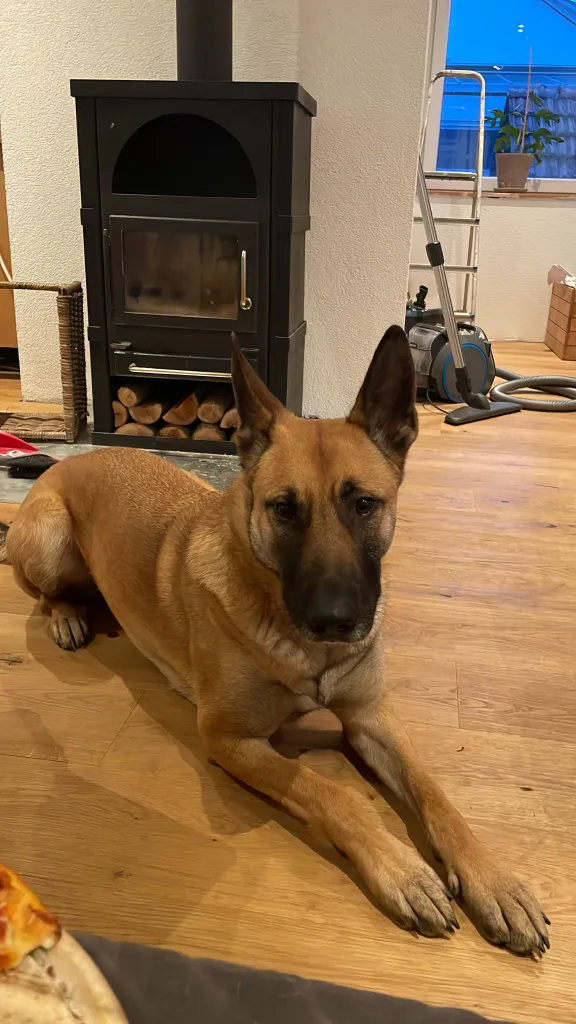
(42, 46)
(364, 62)
(520, 240)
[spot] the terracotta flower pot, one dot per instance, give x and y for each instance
(513, 169)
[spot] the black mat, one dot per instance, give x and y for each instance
(157, 986)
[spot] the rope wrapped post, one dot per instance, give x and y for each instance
(70, 310)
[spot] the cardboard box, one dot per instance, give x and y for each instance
(561, 327)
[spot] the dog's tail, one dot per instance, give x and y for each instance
(4, 558)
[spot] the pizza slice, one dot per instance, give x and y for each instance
(45, 975)
(25, 925)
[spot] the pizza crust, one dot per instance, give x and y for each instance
(29, 995)
(60, 986)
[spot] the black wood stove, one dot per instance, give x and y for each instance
(195, 207)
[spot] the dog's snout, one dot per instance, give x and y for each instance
(332, 606)
(332, 613)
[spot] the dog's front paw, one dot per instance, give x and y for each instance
(69, 628)
(408, 890)
(504, 909)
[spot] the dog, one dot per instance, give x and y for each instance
(264, 601)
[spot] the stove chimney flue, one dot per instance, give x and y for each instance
(204, 40)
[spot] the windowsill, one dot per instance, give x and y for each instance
(538, 188)
(489, 193)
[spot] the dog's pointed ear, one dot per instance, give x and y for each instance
(384, 408)
(257, 408)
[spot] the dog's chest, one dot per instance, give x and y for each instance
(308, 695)
(319, 691)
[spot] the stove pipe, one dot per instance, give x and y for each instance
(204, 40)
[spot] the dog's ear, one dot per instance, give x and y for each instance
(384, 408)
(257, 408)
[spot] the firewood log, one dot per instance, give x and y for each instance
(149, 412)
(173, 431)
(133, 394)
(208, 432)
(213, 407)
(136, 430)
(185, 411)
(120, 413)
(230, 419)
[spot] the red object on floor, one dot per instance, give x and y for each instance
(14, 446)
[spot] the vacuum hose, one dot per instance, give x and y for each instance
(565, 386)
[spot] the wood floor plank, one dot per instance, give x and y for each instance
(515, 697)
(423, 689)
(194, 862)
(11, 400)
(58, 706)
(111, 809)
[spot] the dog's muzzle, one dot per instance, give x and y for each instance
(333, 611)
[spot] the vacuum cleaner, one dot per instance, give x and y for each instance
(454, 361)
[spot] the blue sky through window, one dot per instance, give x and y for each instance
(494, 37)
(488, 33)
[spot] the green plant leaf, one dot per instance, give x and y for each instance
(542, 133)
(546, 115)
(495, 118)
(536, 99)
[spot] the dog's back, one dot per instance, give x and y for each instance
(122, 518)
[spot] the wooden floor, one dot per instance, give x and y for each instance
(109, 808)
(11, 399)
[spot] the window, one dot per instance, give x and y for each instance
(495, 37)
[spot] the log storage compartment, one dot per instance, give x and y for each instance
(206, 414)
(195, 208)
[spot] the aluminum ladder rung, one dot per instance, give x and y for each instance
(451, 175)
(451, 220)
(454, 268)
(471, 224)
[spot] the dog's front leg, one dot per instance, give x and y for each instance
(505, 909)
(405, 886)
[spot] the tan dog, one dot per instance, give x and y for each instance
(264, 601)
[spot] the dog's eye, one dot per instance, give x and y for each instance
(285, 510)
(364, 506)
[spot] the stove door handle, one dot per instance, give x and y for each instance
(164, 371)
(245, 301)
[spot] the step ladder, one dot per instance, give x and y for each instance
(470, 268)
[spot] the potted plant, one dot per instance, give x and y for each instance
(517, 145)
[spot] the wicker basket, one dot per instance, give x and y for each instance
(64, 426)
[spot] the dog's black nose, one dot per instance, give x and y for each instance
(331, 618)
